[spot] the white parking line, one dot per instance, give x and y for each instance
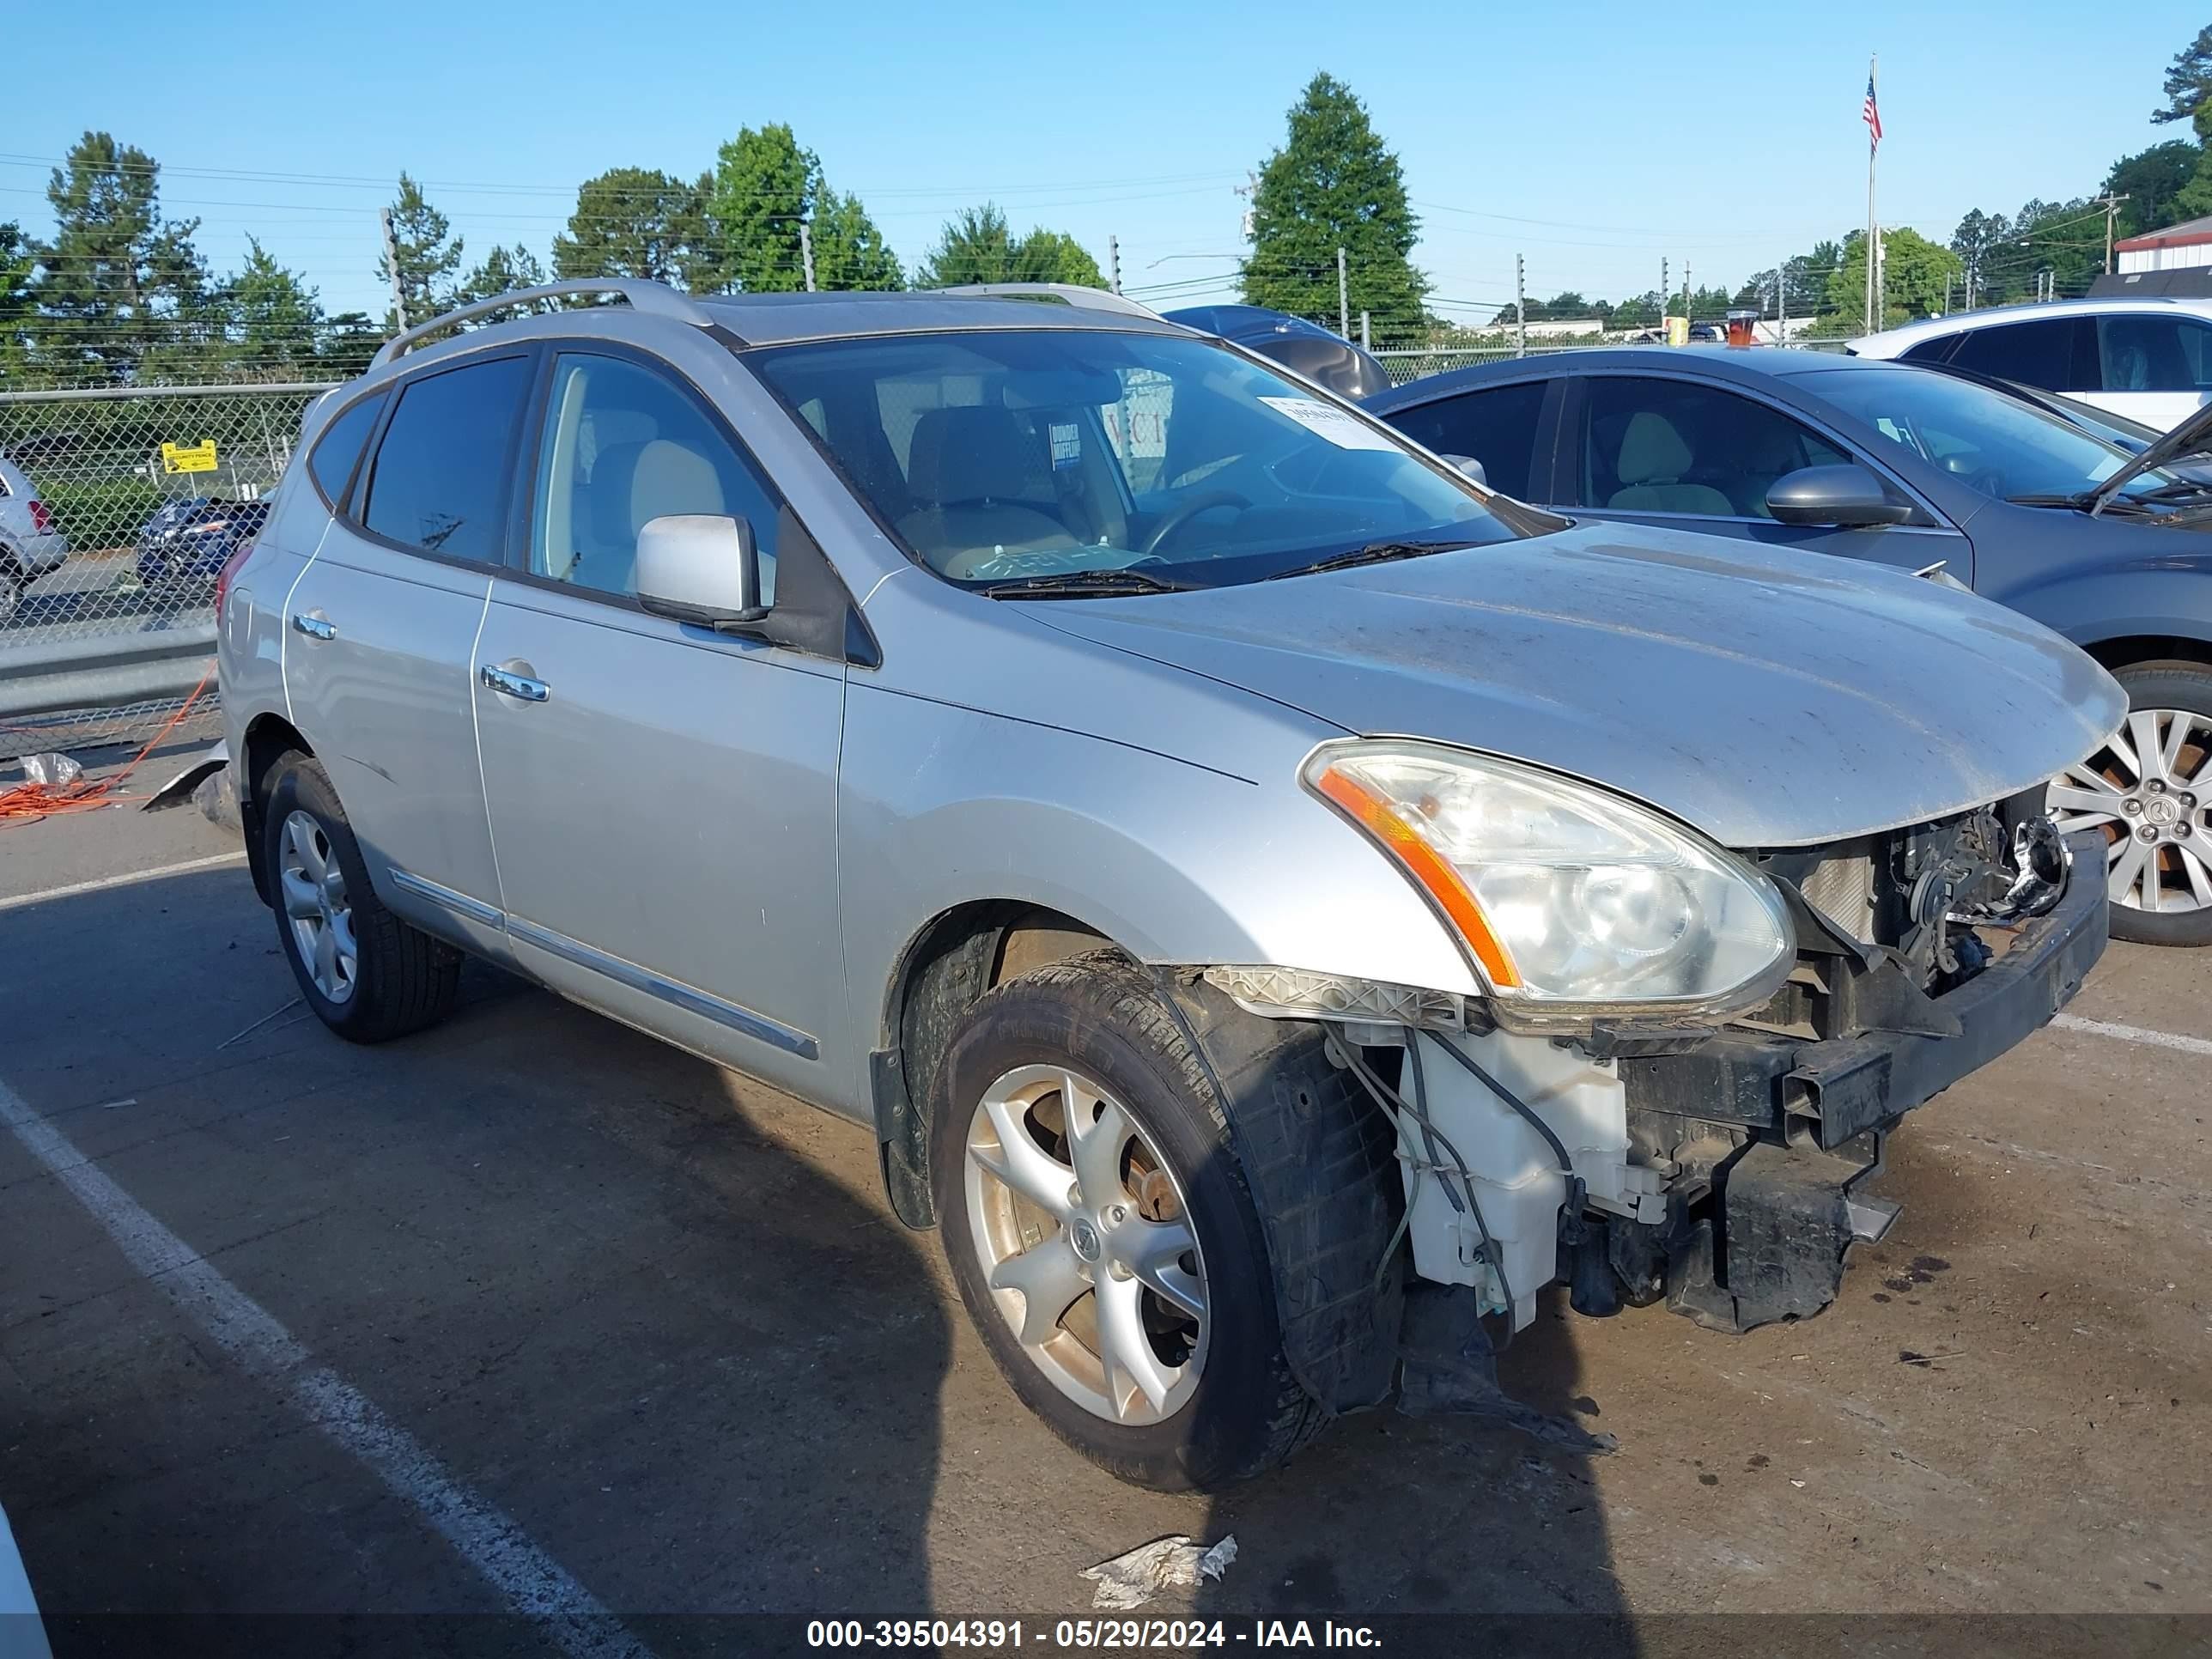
(532, 1583)
(16, 901)
(2187, 1045)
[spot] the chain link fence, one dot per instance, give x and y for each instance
(118, 509)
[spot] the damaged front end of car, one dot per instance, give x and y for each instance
(1708, 1147)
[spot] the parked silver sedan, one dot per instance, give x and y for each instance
(1280, 905)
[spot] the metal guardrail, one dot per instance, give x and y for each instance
(64, 676)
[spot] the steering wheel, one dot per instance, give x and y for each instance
(1184, 512)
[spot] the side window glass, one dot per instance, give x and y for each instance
(1671, 447)
(1930, 351)
(339, 447)
(1496, 428)
(2153, 354)
(623, 447)
(439, 482)
(2034, 354)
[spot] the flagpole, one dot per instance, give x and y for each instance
(1874, 237)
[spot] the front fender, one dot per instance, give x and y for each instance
(1176, 863)
(2168, 596)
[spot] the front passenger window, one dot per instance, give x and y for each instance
(623, 447)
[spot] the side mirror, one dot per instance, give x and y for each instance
(1847, 497)
(700, 567)
(1472, 467)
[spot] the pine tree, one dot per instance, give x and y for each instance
(1333, 185)
(428, 255)
(632, 221)
(116, 283)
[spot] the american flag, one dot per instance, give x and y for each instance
(1872, 115)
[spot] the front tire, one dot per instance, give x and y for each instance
(368, 975)
(2150, 792)
(1102, 1233)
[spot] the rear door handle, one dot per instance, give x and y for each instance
(520, 687)
(314, 626)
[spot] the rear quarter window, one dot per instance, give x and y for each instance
(331, 462)
(1497, 427)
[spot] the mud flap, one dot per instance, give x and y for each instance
(1775, 1248)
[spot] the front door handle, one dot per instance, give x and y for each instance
(314, 625)
(508, 684)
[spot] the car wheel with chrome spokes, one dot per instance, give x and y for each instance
(367, 973)
(2148, 791)
(1105, 1240)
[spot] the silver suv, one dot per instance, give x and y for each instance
(31, 544)
(1277, 904)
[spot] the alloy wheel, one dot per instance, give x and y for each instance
(1086, 1243)
(317, 909)
(2150, 790)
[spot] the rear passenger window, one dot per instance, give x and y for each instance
(439, 482)
(339, 447)
(1496, 428)
(2034, 354)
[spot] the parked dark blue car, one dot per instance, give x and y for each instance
(187, 540)
(1904, 466)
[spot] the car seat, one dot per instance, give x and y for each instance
(966, 468)
(1653, 458)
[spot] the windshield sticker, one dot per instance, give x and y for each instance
(1340, 426)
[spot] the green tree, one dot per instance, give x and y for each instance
(1915, 272)
(19, 264)
(849, 251)
(348, 341)
(765, 187)
(632, 221)
(428, 255)
(503, 271)
(979, 247)
(1333, 185)
(117, 283)
(1980, 240)
(276, 319)
(2188, 83)
(2151, 179)
(2067, 239)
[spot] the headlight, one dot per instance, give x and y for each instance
(1574, 903)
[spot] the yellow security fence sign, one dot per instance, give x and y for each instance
(189, 458)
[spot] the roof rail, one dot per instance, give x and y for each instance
(1069, 294)
(655, 299)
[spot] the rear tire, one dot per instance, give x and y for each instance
(1233, 1408)
(368, 975)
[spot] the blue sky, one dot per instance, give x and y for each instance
(1592, 142)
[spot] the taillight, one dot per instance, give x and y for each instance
(42, 522)
(239, 557)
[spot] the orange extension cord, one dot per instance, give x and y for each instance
(27, 803)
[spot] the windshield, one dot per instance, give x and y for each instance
(1996, 444)
(1032, 454)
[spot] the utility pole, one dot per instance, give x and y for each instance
(1663, 293)
(2111, 211)
(1520, 309)
(1782, 303)
(1343, 300)
(806, 254)
(1114, 264)
(392, 265)
(1366, 340)
(1946, 294)
(1686, 290)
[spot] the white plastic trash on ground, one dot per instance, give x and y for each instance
(1131, 1580)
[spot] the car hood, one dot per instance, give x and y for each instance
(1772, 700)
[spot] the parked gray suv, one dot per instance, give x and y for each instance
(1273, 900)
